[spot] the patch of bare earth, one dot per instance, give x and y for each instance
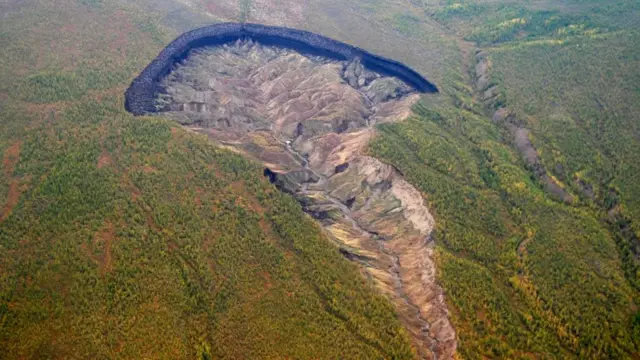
(100, 249)
(309, 120)
(105, 159)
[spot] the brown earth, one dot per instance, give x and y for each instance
(100, 249)
(309, 121)
(105, 159)
(11, 157)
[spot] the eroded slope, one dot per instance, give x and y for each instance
(308, 120)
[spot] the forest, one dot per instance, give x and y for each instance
(125, 237)
(130, 237)
(526, 273)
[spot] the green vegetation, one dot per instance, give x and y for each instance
(486, 25)
(489, 23)
(130, 238)
(527, 276)
(126, 237)
(517, 265)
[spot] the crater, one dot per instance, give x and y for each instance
(139, 96)
(306, 107)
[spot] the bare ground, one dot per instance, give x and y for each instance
(304, 118)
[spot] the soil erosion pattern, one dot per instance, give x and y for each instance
(306, 107)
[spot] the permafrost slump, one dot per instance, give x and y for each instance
(307, 114)
(139, 96)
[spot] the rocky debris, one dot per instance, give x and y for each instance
(308, 119)
(376, 88)
(246, 86)
(393, 217)
(357, 76)
(290, 182)
(139, 97)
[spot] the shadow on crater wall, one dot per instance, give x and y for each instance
(139, 98)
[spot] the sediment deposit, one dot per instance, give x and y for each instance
(309, 117)
(139, 96)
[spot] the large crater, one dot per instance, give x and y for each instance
(307, 113)
(139, 96)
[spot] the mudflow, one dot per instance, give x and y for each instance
(309, 119)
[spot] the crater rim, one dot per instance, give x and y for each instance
(139, 97)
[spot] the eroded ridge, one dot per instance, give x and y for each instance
(139, 96)
(308, 118)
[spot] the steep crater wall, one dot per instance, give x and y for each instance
(308, 118)
(139, 98)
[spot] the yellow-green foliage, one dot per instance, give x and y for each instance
(583, 96)
(524, 274)
(132, 238)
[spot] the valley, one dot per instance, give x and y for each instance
(268, 202)
(309, 119)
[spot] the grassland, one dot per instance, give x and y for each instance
(126, 237)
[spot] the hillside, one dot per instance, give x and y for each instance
(308, 119)
(129, 237)
(532, 176)
(126, 237)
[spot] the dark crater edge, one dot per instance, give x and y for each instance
(139, 97)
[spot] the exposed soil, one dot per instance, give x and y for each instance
(139, 97)
(309, 120)
(11, 157)
(100, 251)
(105, 159)
(12, 199)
